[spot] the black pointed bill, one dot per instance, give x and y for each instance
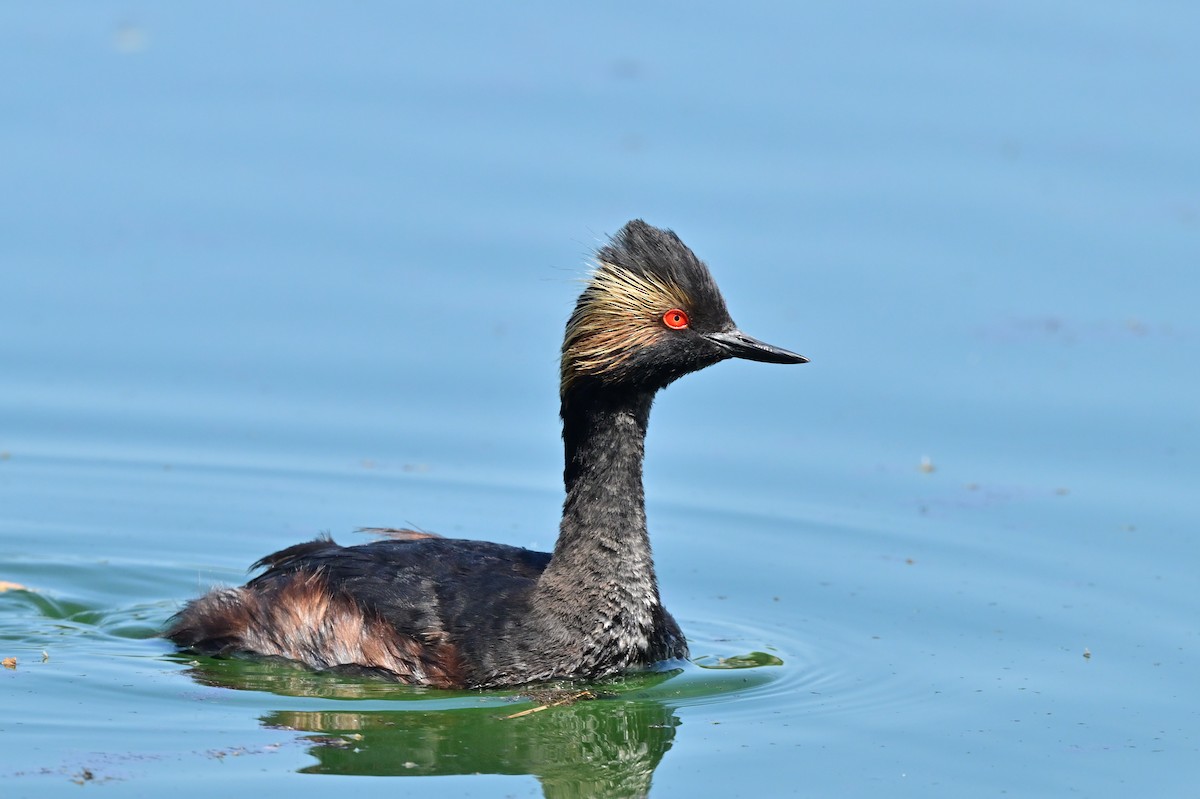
(739, 345)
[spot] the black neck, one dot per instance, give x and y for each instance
(602, 559)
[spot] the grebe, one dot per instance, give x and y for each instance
(450, 613)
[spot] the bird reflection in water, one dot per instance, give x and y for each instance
(608, 746)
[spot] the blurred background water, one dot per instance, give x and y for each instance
(274, 270)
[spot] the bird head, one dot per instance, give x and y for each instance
(651, 313)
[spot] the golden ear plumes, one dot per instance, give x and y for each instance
(618, 313)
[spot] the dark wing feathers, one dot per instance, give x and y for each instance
(419, 586)
(286, 558)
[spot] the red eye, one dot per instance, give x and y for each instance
(675, 319)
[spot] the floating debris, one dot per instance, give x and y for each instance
(9, 663)
(927, 465)
(1087, 653)
(569, 699)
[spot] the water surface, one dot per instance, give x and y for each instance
(300, 270)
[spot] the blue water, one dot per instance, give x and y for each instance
(276, 270)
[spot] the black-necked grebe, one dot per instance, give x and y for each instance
(451, 613)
